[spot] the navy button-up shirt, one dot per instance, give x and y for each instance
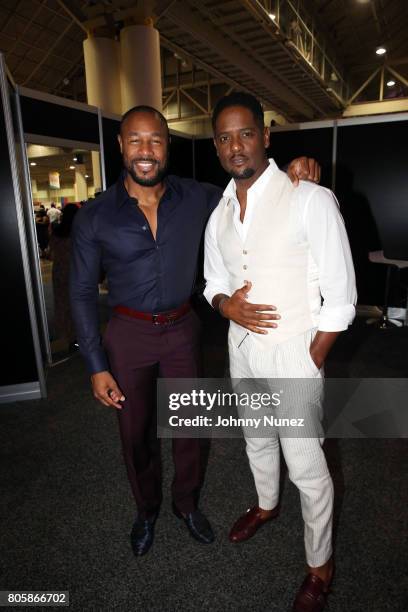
(148, 275)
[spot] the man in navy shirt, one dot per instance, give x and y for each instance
(145, 232)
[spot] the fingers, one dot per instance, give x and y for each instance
(110, 397)
(106, 390)
(292, 174)
(259, 307)
(255, 329)
(314, 170)
(244, 289)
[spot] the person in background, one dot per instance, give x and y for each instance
(41, 225)
(54, 215)
(60, 253)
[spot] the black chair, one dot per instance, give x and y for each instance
(392, 225)
(378, 257)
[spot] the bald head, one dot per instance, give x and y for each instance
(144, 109)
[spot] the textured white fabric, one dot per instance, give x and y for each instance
(316, 222)
(304, 457)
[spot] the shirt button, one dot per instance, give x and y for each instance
(245, 252)
(245, 267)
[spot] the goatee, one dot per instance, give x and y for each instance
(152, 181)
(245, 174)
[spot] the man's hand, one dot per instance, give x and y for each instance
(106, 390)
(321, 345)
(304, 168)
(252, 316)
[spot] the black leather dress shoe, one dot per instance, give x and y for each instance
(197, 524)
(142, 535)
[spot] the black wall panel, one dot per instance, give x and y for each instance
(49, 119)
(317, 143)
(181, 156)
(113, 159)
(18, 365)
(372, 185)
(208, 168)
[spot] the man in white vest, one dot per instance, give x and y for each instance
(278, 266)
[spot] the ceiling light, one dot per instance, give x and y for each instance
(33, 164)
(272, 16)
(72, 167)
(381, 50)
(390, 83)
(75, 158)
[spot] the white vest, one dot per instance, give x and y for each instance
(272, 259)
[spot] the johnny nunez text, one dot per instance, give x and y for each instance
(230, 421)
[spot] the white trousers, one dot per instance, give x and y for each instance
(304, 456)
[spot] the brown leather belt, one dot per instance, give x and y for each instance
(160, 318)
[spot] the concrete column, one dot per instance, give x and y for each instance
(96, 170)
(140, 63)
(81, 188)
(102, 70)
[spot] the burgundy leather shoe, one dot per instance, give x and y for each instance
(248, 524)
(311, 596)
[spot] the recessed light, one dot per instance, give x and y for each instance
(75, 158)
(381, 50)
(33, 164)
(390, 83)
(72, 167)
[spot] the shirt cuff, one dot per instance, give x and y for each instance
(336, 318)
(211, 292)
(96, 361)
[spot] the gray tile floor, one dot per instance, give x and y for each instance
(66, 510)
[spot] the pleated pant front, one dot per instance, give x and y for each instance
(304, 456)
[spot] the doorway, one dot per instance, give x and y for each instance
(62, 178)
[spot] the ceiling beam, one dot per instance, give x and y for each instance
(51, 48)
(74, 12)
(186, 19)
(225, 78)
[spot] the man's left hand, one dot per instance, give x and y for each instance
(305, 169)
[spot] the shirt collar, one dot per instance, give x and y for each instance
(258, 187)
(173, 187)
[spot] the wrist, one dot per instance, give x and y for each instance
(221, 305)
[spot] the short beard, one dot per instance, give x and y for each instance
(245, 174)
(148, 182)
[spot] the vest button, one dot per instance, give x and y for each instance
(245, 267)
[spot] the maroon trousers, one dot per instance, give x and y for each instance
(138, 353)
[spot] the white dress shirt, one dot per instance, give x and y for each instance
(318, 221)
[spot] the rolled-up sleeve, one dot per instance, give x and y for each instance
(330, 249)
(85, 269)
(215, 273)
